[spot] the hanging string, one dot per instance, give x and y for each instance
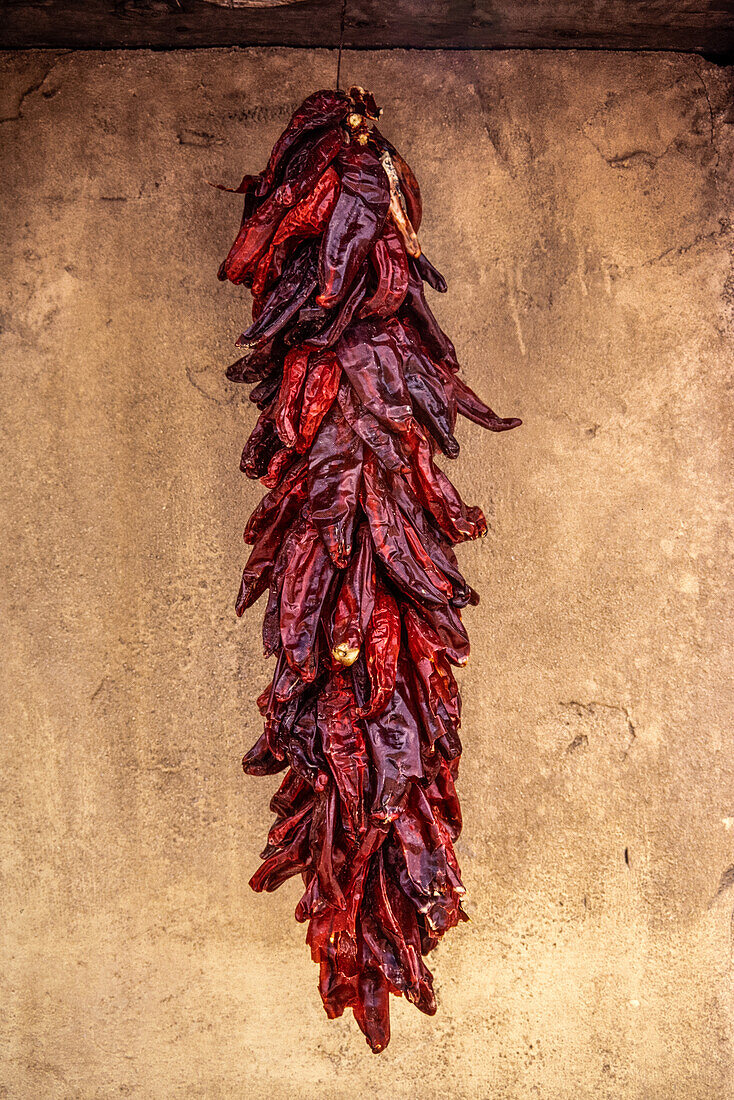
(341, 44)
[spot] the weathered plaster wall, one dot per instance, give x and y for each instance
(576, 204)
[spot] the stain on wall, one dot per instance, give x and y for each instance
(578, 204)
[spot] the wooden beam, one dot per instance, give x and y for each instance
(705, 26)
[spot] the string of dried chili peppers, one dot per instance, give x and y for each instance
(358, 389)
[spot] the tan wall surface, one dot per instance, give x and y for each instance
(576, 204)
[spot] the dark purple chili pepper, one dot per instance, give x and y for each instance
(339, 318)
(470, 406)
(370, 430)
(306, 582)
(355, 603)
(397, 543)
(334, 479)
(428, 273)
(355, 222)
(285, 299)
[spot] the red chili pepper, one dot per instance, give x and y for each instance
(304, 750)
(294, 374)
(307, 219)
(279, 465)
(390, 928)
(437, 545)
(449, 634)
(261, 761)
(430, 661)
(256, 574)
(345, 750)
(289, 494)
(372, 1009)
(355, 603)
(391, 267)
(395, 741)
(257, 230)
(320, 109)
(383, 647)
(322, 386)
(370, 430)
(271, 618)
(252, 240)
(436, 493)
(397, 542)
(293, 858)
(370, 356)
(430, 391)
(261, 446)
(325, 829)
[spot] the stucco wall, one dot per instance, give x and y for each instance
(576, 204)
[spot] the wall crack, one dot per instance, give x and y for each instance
(626, 159)
(35, 87)
(712, 121)
(680, 250)
(588, 708)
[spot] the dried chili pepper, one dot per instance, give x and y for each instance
(358, 388)
(398, 209)
(262, 445)
(397, 543)
(321, 109)
(306, 219)
(339, 318)
(284, 300)
(308, 574)
(355, 222)
(370, 357)
(355, 604)
(286, 411)
(470, 406)
(334, 479)
(257, 230)
(391, 267)
(429, 275)
(383, 647)
(345, 749)
(411, 192)
(322, 386)
(370, 430)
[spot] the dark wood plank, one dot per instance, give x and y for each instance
(706, 26)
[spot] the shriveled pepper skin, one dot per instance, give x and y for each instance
(322, 386)
(322, 109)
(334, 478)
(355, 223)
(390, 262)
(358, 390)
(258, 229)
(408, 183)
(306, 219)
